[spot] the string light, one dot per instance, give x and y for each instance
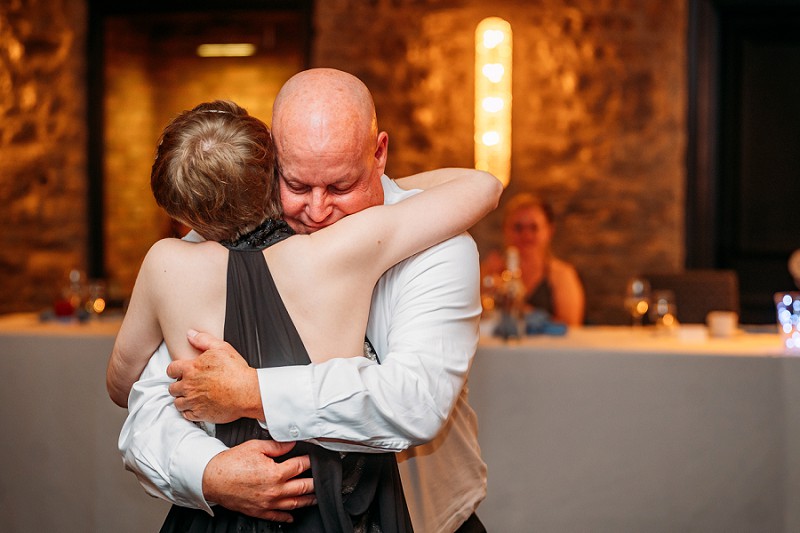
(493, 97)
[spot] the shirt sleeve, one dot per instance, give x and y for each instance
(167, 453)
(424, 325)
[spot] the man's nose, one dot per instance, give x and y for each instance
(319, 208)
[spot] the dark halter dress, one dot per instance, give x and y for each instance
(356, 492)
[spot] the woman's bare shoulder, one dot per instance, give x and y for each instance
(560, 269)
(170, 246)
(174, 256)
(298, 255)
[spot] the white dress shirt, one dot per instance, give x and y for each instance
(424, 326)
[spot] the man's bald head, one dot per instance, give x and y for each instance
(330, 153)
(323, 109)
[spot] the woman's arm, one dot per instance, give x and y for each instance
(569, 299)
(431, 178)
(381, 236)
(140, 333)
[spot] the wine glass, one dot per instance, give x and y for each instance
(663, 310)
(637, 299)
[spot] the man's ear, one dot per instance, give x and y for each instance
(381, 150)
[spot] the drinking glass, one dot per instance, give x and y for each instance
(663, 310)
(637, 299)
(96, 297)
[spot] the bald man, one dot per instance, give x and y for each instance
(423, 324)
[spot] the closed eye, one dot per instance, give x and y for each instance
(340, 188)
(297, 187)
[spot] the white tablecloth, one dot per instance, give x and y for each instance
(604, 429)
(60, 470)
(611, 429)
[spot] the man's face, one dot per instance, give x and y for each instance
(319, 189)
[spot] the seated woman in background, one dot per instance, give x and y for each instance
(551, 284)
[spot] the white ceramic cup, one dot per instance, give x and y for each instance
(722, 323)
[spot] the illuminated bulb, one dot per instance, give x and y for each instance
(492, 104)
(99, 305)
(491, 38)
(226, 50)
(491, 138)
(493, 71)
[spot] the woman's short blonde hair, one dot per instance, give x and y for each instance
(215, 171)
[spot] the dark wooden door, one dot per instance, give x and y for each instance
(750, 187)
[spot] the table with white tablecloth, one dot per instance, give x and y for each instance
(622, 429)
(604, 429)
(60, 468)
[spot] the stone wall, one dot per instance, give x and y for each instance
(599, 92)
(599, 99)
(43, 184)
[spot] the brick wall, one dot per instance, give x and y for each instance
(599, 92)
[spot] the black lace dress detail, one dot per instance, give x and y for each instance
(356, 492)
(266, 234)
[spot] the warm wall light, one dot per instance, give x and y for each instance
(226, 50)
(493, 97)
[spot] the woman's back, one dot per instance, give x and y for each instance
(329, 311)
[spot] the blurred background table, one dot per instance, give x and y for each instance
(616, 429)
(604, 429)
(61, 470)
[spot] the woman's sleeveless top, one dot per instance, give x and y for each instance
(356, 492)
(541, 296)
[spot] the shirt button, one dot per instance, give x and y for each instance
(294, 432)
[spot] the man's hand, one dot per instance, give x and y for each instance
(247, 480)
(218, 386)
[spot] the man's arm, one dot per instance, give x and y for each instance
(424, 325)
(154, 440)
(176, 460)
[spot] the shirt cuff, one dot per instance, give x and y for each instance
(189, 461)
(292, 383)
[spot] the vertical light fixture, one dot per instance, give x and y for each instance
(493, 97)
